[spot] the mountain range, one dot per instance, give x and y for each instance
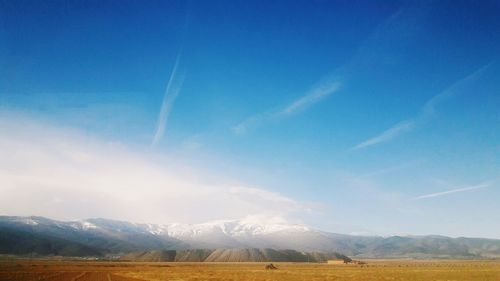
(243, 240)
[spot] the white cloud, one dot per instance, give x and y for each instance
(173, 89)
(63, 174)
(314, 95)
(388, 134)
(243, 126)
(463, 189)
(426, 113)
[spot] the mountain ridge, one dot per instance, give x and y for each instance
(231, 255)
(94, 237)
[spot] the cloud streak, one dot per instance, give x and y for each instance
(396, 130)
(426, 113)
(316, 94)
(313, 96)
(173, 89)
(463, 189)
(323, 90)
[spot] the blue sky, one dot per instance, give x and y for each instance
(352, 116)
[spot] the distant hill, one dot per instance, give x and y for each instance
(20, 242)
(231, 255)
(233, 240)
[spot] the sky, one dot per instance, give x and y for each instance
(356, 117)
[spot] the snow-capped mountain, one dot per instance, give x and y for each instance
(234, 228)
(21, 235)
(248, 232)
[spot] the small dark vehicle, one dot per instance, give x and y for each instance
(271, 266)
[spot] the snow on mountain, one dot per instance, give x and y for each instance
(30, 221)
(90, 236)
(244, 228)
(83, 225)
(250, 232)
(234, 228)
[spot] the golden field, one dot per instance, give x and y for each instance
(374, 270)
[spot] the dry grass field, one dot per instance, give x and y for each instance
(374, 270)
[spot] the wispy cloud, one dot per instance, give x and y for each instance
(243, 126)
(425, 114)
(173, 89)
(313, 96)
(174, 86)
(324, 89)
(463, 189)
(396, 130)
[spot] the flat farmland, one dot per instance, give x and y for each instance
(373, 270)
